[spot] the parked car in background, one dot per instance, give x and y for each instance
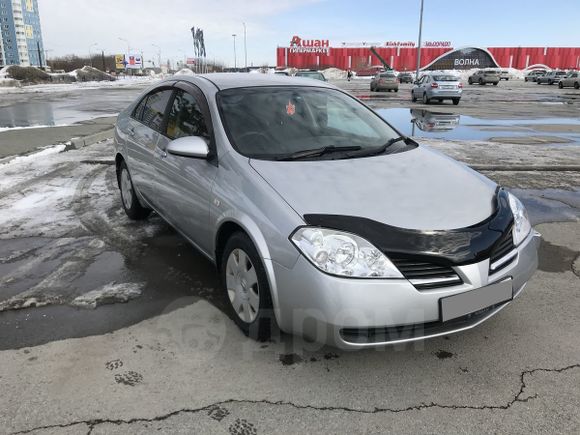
(484, 76)
(385, 81)
(437, 86)
(281, 73)
(316, 75)
(551, 77)
(318, 215)
(504, 74)
(572, 80)
(533, 75)
(405, 77)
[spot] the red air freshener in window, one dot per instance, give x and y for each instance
(290, 108)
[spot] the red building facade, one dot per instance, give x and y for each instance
(318, 54)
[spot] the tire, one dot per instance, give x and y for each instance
(538, 82)
(133, 208)
(426, 99)
(372, 88)
(470, 81)
(456, 101)
(246, 288)
(560, 85)
(525, 79)
(576, 85)
(496, 83)
(397, 90)
(413, 97)
(481, 82)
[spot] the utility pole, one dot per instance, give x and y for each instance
(245, 49)
(39, 55)
(419, 42)
(103, 59)
(235, 60)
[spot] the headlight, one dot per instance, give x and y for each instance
(343, 254)
(522, 224)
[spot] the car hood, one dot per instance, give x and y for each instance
(417, 189)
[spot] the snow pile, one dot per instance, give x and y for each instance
(111, 293)
(185, 72)
(334, 74)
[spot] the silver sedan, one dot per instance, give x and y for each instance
(320, 217)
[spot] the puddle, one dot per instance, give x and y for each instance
(436, 124)
(550, 205)
(69, 108)
(554, 258)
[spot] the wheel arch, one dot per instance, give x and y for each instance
(229, 224)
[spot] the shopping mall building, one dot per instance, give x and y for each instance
(363, 57)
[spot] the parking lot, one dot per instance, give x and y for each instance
(111, 326)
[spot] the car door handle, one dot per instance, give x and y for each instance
(162, 154)
(131, 131)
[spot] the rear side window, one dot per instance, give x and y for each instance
(185, 117)
(154, 109)
(445, 78)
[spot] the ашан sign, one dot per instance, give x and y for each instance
(319, 46)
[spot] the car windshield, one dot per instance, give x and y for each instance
(313, 75)
(491, 72)
(445, 78)
(388, 75)
(273, 122)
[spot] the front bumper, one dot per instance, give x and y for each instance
(357, 313)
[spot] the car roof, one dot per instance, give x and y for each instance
(244, 80)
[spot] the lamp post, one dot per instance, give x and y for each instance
(419, 42)
(245, 49)
(235, 60)
(91, 54)
(128, 45)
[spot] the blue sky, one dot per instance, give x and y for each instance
(272, 23)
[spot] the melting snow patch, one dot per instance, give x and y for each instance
(109, 294)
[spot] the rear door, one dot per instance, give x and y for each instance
(184, 184)
(147, 121)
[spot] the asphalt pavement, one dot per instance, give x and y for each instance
(110, 326)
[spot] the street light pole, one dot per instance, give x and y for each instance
(419, 42)
(245, 49)
(235, 57)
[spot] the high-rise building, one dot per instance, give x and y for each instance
(20, 34)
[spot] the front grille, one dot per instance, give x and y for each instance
(504, 249)
(424, 275)
(415, 331)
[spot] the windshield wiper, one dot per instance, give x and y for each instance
(317, 152)
(382, 148)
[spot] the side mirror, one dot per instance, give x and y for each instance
(190, 146)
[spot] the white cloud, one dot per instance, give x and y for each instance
(72, 27)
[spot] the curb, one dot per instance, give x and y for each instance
(80, 142)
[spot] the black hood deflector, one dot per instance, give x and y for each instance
(454, 247)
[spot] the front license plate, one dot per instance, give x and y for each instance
(475, 300)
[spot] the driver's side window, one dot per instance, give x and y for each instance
(185, 117)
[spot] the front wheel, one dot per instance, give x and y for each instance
(560, 85)
(246, 286)
(131, 204)
(495, 84)
(481, 82)
(396, 90)
(456, 101)
(470, 81)
(413, 97)
(426, 99)
(576, 85)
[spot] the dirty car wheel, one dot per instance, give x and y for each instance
(129, 199)
(246, 286)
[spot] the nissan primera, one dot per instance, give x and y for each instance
(319, 216)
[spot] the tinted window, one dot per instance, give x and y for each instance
(388, 75)
(138, 112)
(154, 110)
(185, 117)
(445, 78)
(272, 122)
